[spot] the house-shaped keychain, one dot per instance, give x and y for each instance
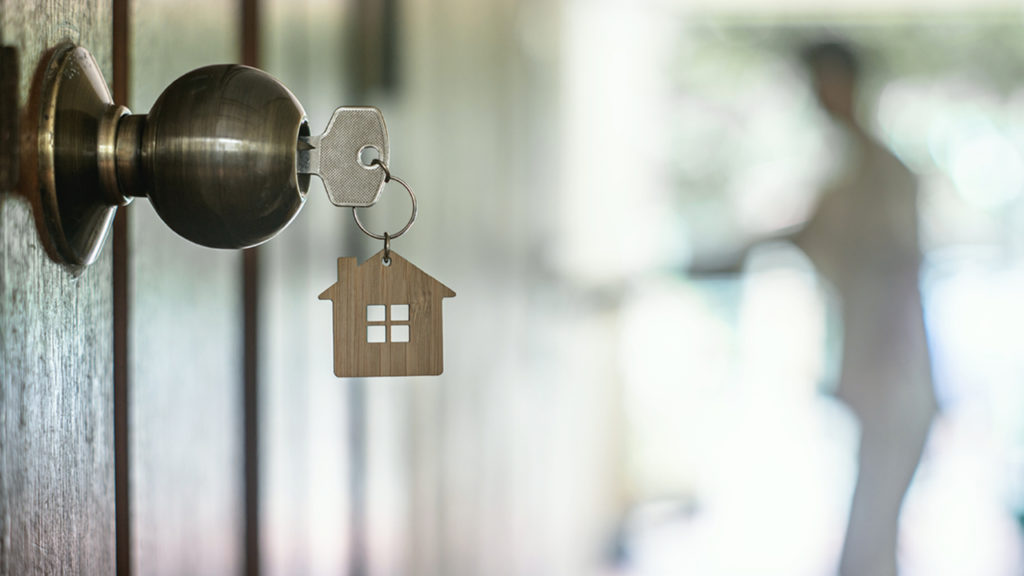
(387, 318)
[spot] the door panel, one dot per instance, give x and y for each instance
(185, 336)
(308, 520)
(56, 347)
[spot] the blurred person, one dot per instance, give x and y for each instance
(862, 238)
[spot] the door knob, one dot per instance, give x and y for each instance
(219, 156)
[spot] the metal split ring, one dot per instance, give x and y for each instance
(384, 167)
(388, 177)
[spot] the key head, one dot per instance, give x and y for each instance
(348, 180)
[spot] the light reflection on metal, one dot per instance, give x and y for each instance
(70, 190)
(216, 156)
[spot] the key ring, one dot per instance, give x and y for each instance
(412, 196)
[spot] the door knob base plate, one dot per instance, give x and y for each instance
(71, 165)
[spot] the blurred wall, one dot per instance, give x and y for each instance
(505, 464)
(599, 410)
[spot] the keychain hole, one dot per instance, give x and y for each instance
(386, 261)
(368, 155)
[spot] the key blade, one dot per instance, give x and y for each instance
(307, 155)
(334, 156)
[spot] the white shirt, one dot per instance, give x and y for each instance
(863, 239)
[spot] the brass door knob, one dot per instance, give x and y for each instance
(216, 156)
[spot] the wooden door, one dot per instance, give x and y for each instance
(56, 344)
(137, 364)
(185, 336)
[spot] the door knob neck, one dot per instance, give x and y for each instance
(127, 180)
(110, 132)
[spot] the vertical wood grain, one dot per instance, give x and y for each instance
(56, 357)
(376, 283)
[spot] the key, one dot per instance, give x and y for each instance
(338, 156)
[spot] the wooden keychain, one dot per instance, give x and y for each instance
(387, 312)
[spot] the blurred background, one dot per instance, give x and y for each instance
(602, 411)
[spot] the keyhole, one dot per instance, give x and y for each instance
(367, 156)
